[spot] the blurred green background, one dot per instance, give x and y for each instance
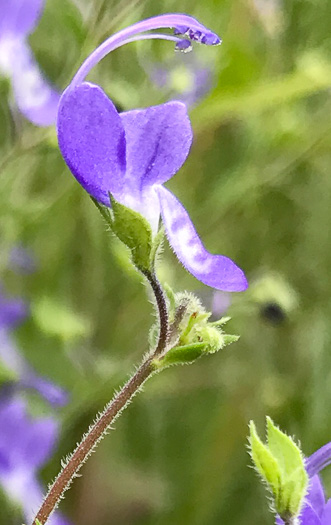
(257, 185)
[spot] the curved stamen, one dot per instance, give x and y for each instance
(179, 22)
(319, 460)
(180, 42)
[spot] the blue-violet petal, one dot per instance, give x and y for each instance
(216, 271)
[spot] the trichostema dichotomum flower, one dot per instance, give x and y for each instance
(132, 154)
(36, 99)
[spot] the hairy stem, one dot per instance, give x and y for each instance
(162, 312)
(111, 412)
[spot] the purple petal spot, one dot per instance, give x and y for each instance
(208, 38)
(216, 271)
(211, 39)
(202, 35)
(181, 30)
(184, 46)
(92, 141)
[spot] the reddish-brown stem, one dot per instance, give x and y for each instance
(111, 412)
(84, 449)
(162, 312)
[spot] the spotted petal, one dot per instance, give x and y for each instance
(92, 142)
(158, 141)
(19, 17)
(216, 271)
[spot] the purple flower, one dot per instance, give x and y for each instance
(25, 445)
(184, 77)
(316, 510)
(132, 154)
(21, 260)
(12, 313)
(35, 98)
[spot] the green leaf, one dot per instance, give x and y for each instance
(104, 212)
(264, 462)
(180, 355)
(230, 338)
(291, 462)
(171, 298)
(281, 464)
(157, 246)
(57, 319)
(134, 231)
(6, 375)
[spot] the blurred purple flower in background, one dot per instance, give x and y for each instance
(270, 14)
(36, 99)
(184, 78)
(21, 260)
(132, 154)
(12, 313)
(25, 445)
(316, 509)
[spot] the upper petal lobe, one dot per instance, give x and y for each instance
(158, 141)
(92, 141)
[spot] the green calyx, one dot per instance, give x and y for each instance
(134, 231)
(191, 333)
(280, 463)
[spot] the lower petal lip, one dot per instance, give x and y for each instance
(216, 271)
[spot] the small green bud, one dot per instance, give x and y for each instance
(190, 333)
(211, 336)
(281, 464)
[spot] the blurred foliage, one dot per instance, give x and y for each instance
(258, 187)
